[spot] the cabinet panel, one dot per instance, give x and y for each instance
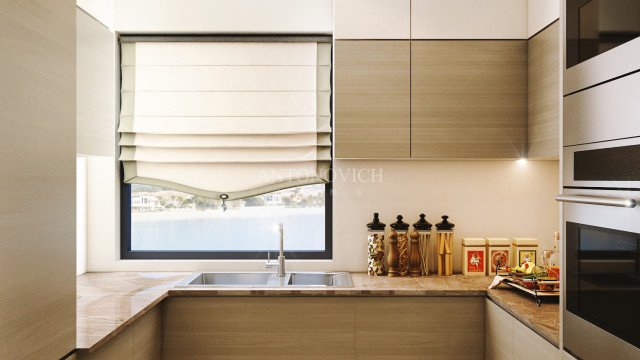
(372, 19)
(323, 328)
(544, 93)
(434, 328)
(37, 166)
(95, 87)
(498, 333)
(257, 328)
(372, 99)
(147, 335)
(120, 347)
(469, 99)
(508, 338)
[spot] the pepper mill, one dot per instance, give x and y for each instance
(375, 239)
(392, 257)
(401, 228)
(423, 228)
(445, 246)
(415, 260)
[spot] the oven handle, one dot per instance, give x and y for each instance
(627, 203)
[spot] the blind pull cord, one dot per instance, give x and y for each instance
(224, 198)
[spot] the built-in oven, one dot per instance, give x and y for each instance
(601, 212)
(601, 315)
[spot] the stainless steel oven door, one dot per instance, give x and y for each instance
(583, 338)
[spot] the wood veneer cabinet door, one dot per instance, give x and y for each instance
(372, 99)
(38, 179)
(468, 98)
(544, 93)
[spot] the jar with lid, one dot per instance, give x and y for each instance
(423, 229)
(401, 228)
(444, 246)
(375, 239)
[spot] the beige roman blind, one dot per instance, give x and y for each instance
(226, 118)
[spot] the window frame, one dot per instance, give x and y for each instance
(125, 189)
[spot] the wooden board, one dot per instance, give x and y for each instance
(544, 94)
(468, 99)
(372, 99)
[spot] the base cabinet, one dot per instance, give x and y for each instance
(323, 328)
(508, 339)
(140, 341)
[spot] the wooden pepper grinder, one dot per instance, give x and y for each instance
(423, 229)
(415, 259)
(445, 246)
(401, 228)
(392, 256)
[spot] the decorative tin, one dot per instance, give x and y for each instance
(498, 255)
(474, 256)
(524, 250)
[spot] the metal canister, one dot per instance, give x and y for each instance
(375, 239)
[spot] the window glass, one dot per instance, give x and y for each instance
(168, 220)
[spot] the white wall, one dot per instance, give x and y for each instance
(483, 199)
(224, 16)
(464, 19)
(101, 10)
(541, 13)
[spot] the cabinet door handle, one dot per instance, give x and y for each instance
(628, 203)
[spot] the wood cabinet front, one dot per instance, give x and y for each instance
(372, 99)
(468, 99)
(323, 328)
(544, 93)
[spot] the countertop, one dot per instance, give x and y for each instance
(109, 302)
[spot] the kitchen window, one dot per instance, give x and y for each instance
(221, 139)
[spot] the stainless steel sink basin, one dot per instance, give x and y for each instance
(266, 279)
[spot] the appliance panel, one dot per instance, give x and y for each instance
(606, 112)
(603, 264)
(609, 164)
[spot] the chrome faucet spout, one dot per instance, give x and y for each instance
(281, 259)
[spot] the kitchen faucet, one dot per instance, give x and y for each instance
(281, 259)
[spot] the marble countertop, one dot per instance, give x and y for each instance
(109, 302)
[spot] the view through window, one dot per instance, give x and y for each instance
(168, 220)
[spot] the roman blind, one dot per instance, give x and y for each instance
(225, 119)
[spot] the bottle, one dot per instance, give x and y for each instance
(444, 248)
(401, 228)
(375, 239)
(423, 229)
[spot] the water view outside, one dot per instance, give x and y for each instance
(163, 219)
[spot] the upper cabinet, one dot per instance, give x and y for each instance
(372, 19)
(544, 93)
(372, 99)
(446, 79)
(468, 99)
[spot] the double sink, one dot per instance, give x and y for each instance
(268, 279)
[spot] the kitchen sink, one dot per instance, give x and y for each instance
(268, 279)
